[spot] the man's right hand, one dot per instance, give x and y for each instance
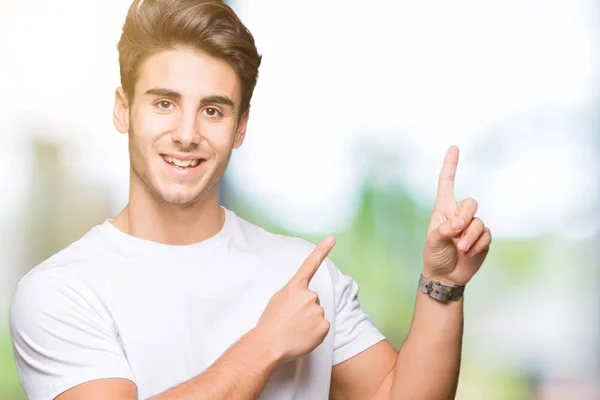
(293, 323)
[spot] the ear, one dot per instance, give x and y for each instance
(240, 134)
(121, 111)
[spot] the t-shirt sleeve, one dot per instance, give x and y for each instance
(354, 331)
(61, 337)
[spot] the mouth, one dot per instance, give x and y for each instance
(181, 163)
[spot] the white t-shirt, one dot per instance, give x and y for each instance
(112, 305)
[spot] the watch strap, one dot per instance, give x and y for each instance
(441, 292)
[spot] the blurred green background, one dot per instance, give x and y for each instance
(349, 125)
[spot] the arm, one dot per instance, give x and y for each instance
(429, 360)
(241, 373)
(427, 366)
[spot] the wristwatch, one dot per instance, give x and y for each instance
(440, 292)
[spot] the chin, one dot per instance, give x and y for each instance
(183, 195)
(179, 193)
(181, 198)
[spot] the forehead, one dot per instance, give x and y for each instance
(192, 73)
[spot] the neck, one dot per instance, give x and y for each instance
(150, 218)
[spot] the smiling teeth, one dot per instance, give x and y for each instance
(181, 163)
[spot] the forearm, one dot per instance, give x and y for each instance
(241, 373)
(429, 361)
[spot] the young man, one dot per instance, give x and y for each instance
(179, 298)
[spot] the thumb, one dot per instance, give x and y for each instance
(447, 231)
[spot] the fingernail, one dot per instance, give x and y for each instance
(463, 244)
(457, 223)
(329, 240)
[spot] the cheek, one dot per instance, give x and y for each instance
(220, 135)
(154, 123)
(149, 127)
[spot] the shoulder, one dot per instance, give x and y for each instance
(54, 284)
(61, 332)
(80, 254)
(48, 289)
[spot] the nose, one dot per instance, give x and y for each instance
(187, 133)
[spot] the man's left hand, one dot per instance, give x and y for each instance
(457, 242)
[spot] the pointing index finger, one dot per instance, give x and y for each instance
(447, 174)
(313, 261)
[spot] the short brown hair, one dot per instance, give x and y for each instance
(207, 25)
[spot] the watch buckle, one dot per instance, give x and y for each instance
(429, 287)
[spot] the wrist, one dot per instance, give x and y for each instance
(442, 279)
(261, 343)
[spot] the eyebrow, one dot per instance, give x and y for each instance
(214, 99)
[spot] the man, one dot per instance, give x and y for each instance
(179, 298)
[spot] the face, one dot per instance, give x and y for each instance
(183, 124)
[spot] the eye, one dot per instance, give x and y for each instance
(165, 105)
(212, 112)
